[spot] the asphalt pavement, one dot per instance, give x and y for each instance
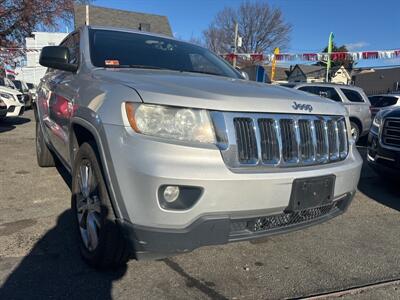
(354, 256)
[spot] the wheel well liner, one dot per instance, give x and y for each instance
(357, 122)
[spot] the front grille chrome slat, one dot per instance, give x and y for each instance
(391, 133)
(265, 140)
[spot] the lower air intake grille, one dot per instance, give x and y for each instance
(283, 220)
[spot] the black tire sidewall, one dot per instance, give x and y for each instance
(354, 125)
(108, 227)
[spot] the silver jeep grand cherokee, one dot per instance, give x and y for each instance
(171, 149)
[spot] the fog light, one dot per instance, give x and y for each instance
(171, 193)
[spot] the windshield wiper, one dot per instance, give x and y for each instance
(135, 67)
(200, 72)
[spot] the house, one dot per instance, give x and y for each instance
(377, 81)
(101, 16)
(30, 70)
(340, 75)
(306, 73)
(315, 73)
(281, 73)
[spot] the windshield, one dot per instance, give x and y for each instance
(118, 49)
(9, 83)
(17, 84)
(30, 86)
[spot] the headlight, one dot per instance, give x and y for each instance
(377, 122)
(184, 124)
(6, 96)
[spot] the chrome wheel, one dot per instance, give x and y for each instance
(88, 206)
(354, 132)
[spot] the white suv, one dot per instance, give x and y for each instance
(13, 99)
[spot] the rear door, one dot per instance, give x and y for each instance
(62, 90)
(358, 105)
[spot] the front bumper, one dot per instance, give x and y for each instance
(15, 110)
(381, 159)
(142, 165)
(156, 243)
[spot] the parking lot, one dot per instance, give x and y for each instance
(357, 253)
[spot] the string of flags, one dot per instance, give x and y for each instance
(335, 56)
(261, 57)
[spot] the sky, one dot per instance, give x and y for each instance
(359, 24)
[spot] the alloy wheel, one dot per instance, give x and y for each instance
(88, 206)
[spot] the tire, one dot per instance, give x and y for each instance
(43, 154)
(355, 131)
(101, 242)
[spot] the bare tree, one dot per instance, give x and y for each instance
(261, 27)
(18, 18)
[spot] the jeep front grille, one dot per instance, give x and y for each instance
(391, 132)
(277, 140)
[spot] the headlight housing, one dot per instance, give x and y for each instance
(6, 96)
(183, 124)
(377, 123)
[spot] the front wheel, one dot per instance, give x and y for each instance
(101, 242)
(355, 131)
(43, 154)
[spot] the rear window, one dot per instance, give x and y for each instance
(323, 91)
(352, 96)
(383, 101)
(288, 85)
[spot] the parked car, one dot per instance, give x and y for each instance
(171, 149)
(3, 109)
(13, 100)
(384, 101)
(32, 90)
(353, 98)
(23, 88)
(384, 143)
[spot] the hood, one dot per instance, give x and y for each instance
(392, 112)
(9, 90)
(217, 93)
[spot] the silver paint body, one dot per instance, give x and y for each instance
(135, 166)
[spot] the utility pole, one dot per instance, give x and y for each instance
(235, 45)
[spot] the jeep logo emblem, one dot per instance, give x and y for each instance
(300, 106)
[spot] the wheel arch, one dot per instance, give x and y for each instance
(357, 122)
(83, 131)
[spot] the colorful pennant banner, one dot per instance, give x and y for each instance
(335, 56)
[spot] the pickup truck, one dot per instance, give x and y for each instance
(171, 149)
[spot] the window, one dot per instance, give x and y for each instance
(135, 50)
(383, 101)
(374, 100)
(323, 91)
(18, 84)
(352, 96)
(144, 27)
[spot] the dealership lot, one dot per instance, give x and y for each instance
(39, 255)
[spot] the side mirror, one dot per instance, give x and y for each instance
(56, 57)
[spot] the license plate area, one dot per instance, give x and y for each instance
(311, 192)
